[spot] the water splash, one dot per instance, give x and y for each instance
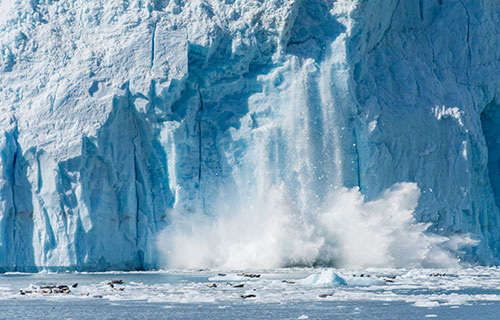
(272, 232)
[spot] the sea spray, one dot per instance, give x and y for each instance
(271, 232)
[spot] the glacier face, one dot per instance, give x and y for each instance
(117, 115)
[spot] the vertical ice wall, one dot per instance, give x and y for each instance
(423, 72)
(117, 114)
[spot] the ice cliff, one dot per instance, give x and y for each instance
(117, 115)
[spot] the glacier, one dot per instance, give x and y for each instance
(118, 116)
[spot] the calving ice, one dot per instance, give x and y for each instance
(236, 134)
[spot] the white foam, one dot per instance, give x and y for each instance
(272, 232)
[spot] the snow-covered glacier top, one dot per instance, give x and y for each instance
(237, 125)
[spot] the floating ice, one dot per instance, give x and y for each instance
(436, 288)
(324, 279)
(117, 118)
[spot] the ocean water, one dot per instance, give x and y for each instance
(472, 293)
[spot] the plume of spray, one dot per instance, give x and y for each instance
(271, 232)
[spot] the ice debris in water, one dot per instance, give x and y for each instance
(117, 118)
(324, 279)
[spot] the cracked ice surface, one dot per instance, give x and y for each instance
(116, 115)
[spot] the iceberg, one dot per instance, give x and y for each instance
(324, 279)
(120, 118)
